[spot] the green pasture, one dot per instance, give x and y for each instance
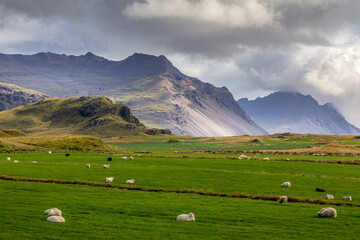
(100, 213)
(218, 175)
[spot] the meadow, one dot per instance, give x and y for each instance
(231, 198)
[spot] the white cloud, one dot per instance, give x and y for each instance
(243, 14)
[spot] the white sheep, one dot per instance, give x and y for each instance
(286, 184)
(33, 161)
(53, 212)
(8, 159)
(131, 158)
(283, 199)
(242, 155)
(105, 165)
(124, 158)
(16, 161)
(266, 159)
(327, 212)
(186, 217)
(257, 155)
(88, 165)
(130, 181)
(347, 198)
(247, 158)
(49, 152)
(239, 158)
(57, 219)
(329, 196)
(109, 180)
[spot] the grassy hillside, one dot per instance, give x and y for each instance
(79, 115)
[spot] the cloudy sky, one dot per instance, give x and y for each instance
(253, 47)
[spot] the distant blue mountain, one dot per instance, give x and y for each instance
(297, 113)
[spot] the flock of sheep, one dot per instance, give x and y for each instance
(56, 214)
(111, 179)
(324, 212)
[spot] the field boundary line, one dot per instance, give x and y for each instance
(346, 162)
(183, 190)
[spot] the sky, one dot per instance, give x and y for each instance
(253, 47)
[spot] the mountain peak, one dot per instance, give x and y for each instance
(294, 112)
(141, 65)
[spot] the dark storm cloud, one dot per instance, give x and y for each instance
(252, 46)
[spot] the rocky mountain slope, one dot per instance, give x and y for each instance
(78, 115)
(12, 96)
(157, 92)
(297, 113)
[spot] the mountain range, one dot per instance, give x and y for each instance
(156, 91)
(294, 112)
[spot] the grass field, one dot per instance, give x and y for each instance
(231, 198)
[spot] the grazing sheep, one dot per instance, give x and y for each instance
(109, 159)
(347, 198)
(283, 199)
(242, 155)
(53, 212)
(33, 161)
(186, 217)
(131, 158)
(266, 159)
(320, 190)
(8, 159)
(329, 196)
(49, 152)
(106, 165)
(286, 184)
(16, 161)
(57, 219)
(239, 158)
(257, 155)
(323, 154)
(124, 158)
(287, 159)
(130, 181)
(175, 151)
(67, 155)
(327, 212)
(109, 180)
(247, 158)
(88, 165)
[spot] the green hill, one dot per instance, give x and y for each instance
(79, 115)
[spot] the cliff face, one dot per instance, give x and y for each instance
(156, 91)
(297, 113)
(12, 96)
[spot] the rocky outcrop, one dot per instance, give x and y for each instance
(12, 96)
(78, 115)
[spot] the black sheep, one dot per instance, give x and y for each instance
(320, 190)
(109, 159)
(67, 155)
